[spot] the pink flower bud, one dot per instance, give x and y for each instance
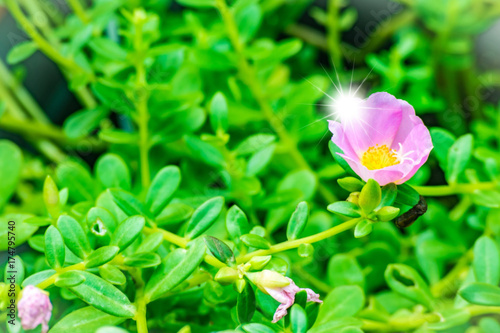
(35, 308)
(285, 294)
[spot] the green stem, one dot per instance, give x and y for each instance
(79, 10)
(142, 96)
(22, 95)
(42, 44)
(182, 242)
(248, 76)
(140, 301)
(444, 190)
(48, 282)
(333, 33)
(445, 285)
(297, 242)
(312, 280)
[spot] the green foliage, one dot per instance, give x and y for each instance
(198, 160)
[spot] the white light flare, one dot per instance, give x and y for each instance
(347, 108)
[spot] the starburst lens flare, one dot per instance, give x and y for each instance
(346, 108)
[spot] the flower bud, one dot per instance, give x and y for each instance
(34, 308)
(226, 276)
(51, 197)
(268, 279)
(370, 196)
(259, 262)
(351, 184)
(387, 213)
(353, 198)
(240, 285)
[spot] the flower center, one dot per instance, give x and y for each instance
(379, 157)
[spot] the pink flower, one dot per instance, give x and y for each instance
(282, 289)
(382, 138)
(35, 308)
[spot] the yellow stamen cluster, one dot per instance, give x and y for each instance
(379, 157)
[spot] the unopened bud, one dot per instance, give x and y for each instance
(353, 198)
(51, 197)
(226, 276)
(387, 213)
(268, 279)
(239, 285)
(259, 262)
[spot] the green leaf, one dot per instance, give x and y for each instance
(112, 274)
(245, 307)
(85, 320)
(101, 256)
(387, 213)
(205, 152)
(236, 223)
(11, 160)
(204, 216)
(458, 157)
(77, 179)
(128, 203)
(481, 294)
(363, 228)
(248, 20)
(298, 319)
(220, 250)
(256, 241)
(486, 263)
(298, 221)
(197, 3)
(128, 231)
(389, 194)
(69, 279)
(254, 143)
(74, 236)
(259, 160)
(142, 260)
(218, 113)
(406, 281)
(343, 301)
(81, 123)
(442, 141)
(20, 52)
(174, 213)
(151, 243)
(407, 195)
(103, 296)
(162, 188)
(112, 171)
(451, 318)
(118, 137)
(38, 277)
(345, 270)
(175, 268)
(370, 196)
(51, 197)
(54, 248)
(257, 328)
(344, 208)
(351, 184)
(107, 48)
(335, 151)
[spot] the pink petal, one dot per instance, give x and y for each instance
(408, 122)
(312, 296)
(378, 123)
(340, 139)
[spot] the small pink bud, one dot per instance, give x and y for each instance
(281, 291)
(34, 308)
